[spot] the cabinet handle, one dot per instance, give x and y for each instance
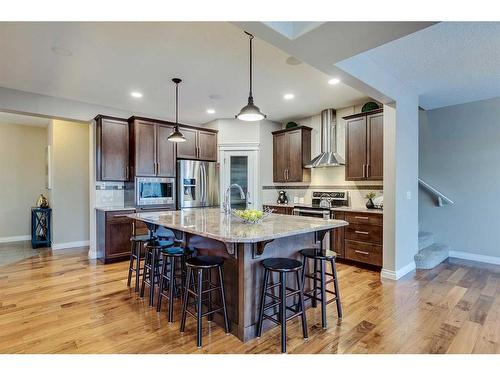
(157, 168)
(361, 217)
(120, 215)
(364, 169)
(287, 175)
(361, 232)
(126, 172)
(284, 174)
(367, 170)
(362, 252)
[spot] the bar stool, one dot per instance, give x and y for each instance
(282, 266)
(151, 268)
(195, 288)
(321, 257)
(172, 278)
(136, 250)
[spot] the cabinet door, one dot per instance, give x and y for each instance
(207, 145)
(294, 156)
(375, 169)
(119, 229)
(145, 149)
(188, 149)
(113, 150)
(280, 157)
(165, 155)
(356, 149)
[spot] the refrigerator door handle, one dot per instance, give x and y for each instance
(202, 183)
(205, 183)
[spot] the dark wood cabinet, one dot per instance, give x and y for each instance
(165, 151)
(291, 152)
(279, 209)
(112, 149)
(199, 144)
(114, 230)
(151, 153)
(361, 241)
(365, 146)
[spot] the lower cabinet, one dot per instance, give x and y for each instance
(114, 230)
(361, 240)
(277, 209)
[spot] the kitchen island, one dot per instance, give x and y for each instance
(243, 246)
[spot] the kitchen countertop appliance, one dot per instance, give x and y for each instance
(282, 199)
(198, 184)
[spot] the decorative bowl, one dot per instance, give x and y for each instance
(251, 216)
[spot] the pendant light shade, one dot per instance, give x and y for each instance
(250, 112)
(176, 135)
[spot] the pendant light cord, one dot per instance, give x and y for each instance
(176, 103)
(250, 96)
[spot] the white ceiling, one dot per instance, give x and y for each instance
(446, 64)
(16, 119)
(109, 60)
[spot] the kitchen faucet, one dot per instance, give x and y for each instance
(227, 197)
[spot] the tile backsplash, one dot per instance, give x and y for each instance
(109, 194)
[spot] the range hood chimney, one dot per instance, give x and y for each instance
(328, 156)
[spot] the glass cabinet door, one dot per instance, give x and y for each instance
(238, 174)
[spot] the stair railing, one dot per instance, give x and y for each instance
(441, 198)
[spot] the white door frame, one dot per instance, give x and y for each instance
(251, 150)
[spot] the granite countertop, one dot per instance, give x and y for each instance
(359, 209)
(115, 208)
(341, 208)
(212, 223)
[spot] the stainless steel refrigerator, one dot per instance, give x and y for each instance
(198, 183)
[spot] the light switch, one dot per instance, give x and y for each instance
(408, 195)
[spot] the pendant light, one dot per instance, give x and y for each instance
(176, 135)
(250, 112)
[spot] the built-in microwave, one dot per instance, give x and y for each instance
(157, 191)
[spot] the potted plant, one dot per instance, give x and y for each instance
(370, 196)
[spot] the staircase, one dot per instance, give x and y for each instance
(430, 253)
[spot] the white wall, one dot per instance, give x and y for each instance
(459, 155)
(70, 183)
(22, 177)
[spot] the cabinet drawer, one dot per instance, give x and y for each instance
(363, 252)
(364, 218)
(118, 216)
(364, 233)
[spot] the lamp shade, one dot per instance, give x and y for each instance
(250, 112)
(176, 136)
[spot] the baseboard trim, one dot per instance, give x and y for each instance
(474, 257)
(69, 245)
(396, 275)
(26, 237)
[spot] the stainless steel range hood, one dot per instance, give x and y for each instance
(328, 156)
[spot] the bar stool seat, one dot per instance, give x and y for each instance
(205, 261)
(174, 250)
(318, 254)
(282, 266)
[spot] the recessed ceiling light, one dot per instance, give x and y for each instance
(214, 97)
(136, 94)
(210, 111)
(288, 96)
(334, 81)
(61, 51)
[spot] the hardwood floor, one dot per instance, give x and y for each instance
(60, 302)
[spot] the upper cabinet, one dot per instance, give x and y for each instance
(364, 146)
(199, 145)
(152, 155)
(112, 149)
(291, 152)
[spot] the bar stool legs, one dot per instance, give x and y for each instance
(282, 266)
(195, 288)
(323, 257)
